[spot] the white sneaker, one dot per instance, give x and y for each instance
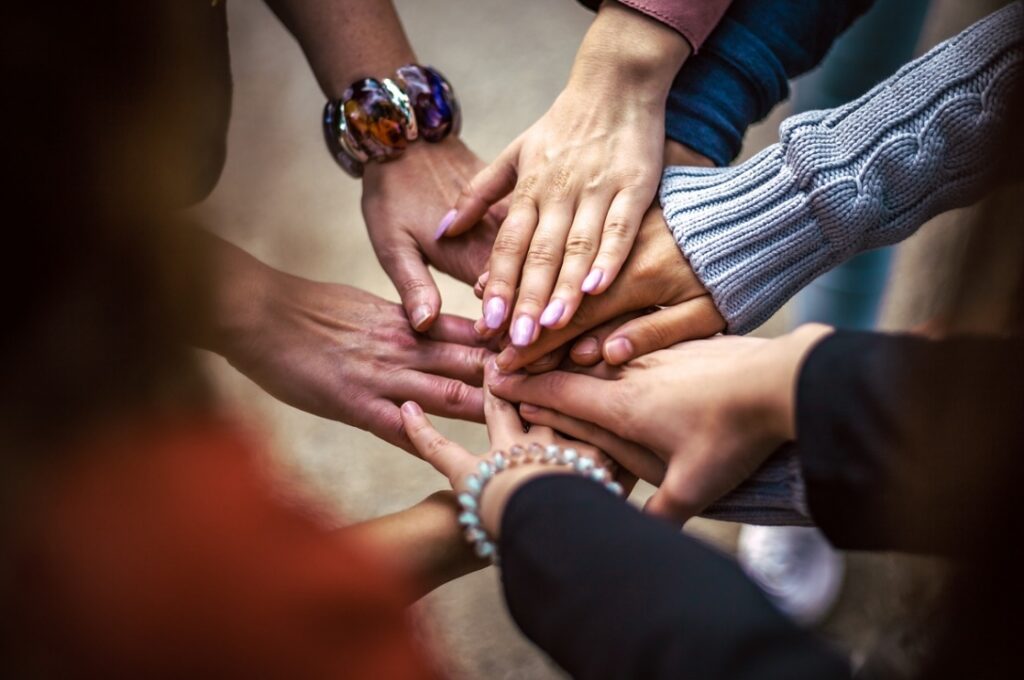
(795, 566)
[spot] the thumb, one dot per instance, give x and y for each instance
(488, 187)
(447, 457)
(409, 273)
(697, 318)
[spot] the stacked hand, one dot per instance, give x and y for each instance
(505, 429)
(342, 353)
(696, 419)
(581, 178)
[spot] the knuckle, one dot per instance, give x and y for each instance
(654, 335)
(578, 245)
(525, 189)
(618, 228)
(560, 182)
(542, 254)
(435, 445)
(507, 245)
(455, 393)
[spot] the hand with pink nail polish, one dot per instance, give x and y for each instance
(580, 179)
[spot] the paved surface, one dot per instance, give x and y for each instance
(282, 198)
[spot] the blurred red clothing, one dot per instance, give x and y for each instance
(163, 551)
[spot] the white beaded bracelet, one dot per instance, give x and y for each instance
(483, 545)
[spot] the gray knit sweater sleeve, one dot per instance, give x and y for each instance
(844, 180)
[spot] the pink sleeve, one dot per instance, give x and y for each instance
(694, 19)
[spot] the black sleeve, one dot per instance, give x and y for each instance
(903, 439)
(610, 592)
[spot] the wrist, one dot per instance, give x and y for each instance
(422, 155)
(242, 286)
(677, 153)
(787, 358)
(628, 51)
(501, 488)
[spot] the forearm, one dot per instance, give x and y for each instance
(423, 543)
(745, 66)
(836, 184)
(903, 440)
(345, 40)
(626, 51)
(641, 598)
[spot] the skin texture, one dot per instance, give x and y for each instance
(423, 542)
(580, 179)
(654, 274)
(340, 352)
(711, 411)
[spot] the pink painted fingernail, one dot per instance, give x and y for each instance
(522, 331)
(592, 281)
(619, 350)
(412, 408)
(494, 313)
(446, 222)
(552, 313)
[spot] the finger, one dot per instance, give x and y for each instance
(638, 460)
(447, 457)
(409, 273)
(450, 360)
(478, 287)
(591, 313)
(548, 362)
(543, 261)
(688, 320)
(438, 395)
(617, 238)
(488, 187)
(581, 396)
(456, 329)
(680, 496)
(383, 418)
(504, 427)
(586, 351)
(580, 250)
(507, 255)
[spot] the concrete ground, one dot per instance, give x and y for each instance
(283, 199)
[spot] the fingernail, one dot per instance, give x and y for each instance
(587, 347)
(592, 281)
(619, 350)
(552, 313)
(480, 327)
(528, 408)
(446, 222)
(494, 313)
(420, 315)
(411, 408)
(522, 331)
(504, 360)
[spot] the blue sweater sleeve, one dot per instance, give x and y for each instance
(743, 69)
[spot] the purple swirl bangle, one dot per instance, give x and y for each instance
(375, 120)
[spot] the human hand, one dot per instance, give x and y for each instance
(581, 177)
(655, 274)
(402, 203)
(505, 430)
(340, 352)
(712, 410)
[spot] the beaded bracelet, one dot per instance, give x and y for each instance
(375, 120)
(469, 500)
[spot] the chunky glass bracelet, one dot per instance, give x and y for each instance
(469, 500)
(376, 119)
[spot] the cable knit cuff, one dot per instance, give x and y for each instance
(861, 176)
(750, 260)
